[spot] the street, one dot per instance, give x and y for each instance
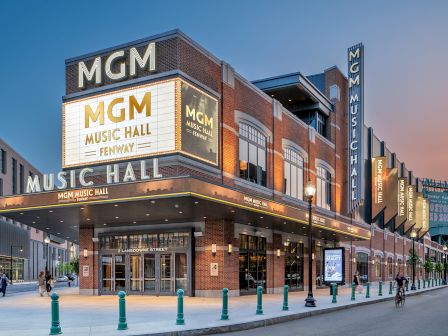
(423, 315)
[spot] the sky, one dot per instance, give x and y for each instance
(406, 53)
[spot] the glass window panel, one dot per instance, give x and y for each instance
(293, 181)
(181, 271)
(252, 154)
(262, 158)
(244, 150)
(287, 178)
(300, 183)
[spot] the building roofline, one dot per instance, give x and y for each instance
(20, 155)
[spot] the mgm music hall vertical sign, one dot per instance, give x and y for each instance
(379, 181)
(356, 123)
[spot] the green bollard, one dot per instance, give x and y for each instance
(225, 308)
(390, 287)
(122, 324)
(180, 307)
(380, 290)
(285, 297)
(353, 292)
(259, 301)
(418, 284)
(368, 291)
(55, 323)
(333, 286)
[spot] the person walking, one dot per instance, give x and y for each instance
(42, 281)
(48, 282)
(3, 283)
(357, 282)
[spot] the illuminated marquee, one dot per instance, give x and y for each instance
(142, 121)
(379, 176)
(356, 123)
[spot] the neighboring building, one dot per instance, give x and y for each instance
(29, 251)
(180, 173)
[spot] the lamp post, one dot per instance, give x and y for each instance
(10, 265)
(310, 190)
(413, 235)
(444, 264)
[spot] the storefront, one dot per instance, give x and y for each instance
(153, 263)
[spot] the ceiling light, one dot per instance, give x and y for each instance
(104, 224)
(152, 202)
(88, 219)
(261, 217)
(205, 217)
(116, 217)
(284, 222)
(82, 208)
(176, 205)
(196, 202)
(115, 205)
(33, 222)
(61, 221)
(50, 211)
(166, 219)
(134, 222)
(21, 213)
(180, 212)
(147, 214)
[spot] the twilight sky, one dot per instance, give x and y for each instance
(406, 46)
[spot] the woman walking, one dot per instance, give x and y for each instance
(42, 286)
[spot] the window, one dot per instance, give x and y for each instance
(252, 155)
(1, 187)
(293, 174)
(21, 178)
(252, 262)
(389, 267)
(362, 266)
(14, 176)
(323, 188)
(3, 161)
(335, 92)
(316, 120)
(378, 261)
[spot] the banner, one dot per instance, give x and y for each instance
(411, 201)
(391, 195)
(438, 211)
(334, 265)
(402, 209)
(378, 184)
(421, 215)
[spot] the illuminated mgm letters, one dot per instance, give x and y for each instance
(356, 122)
(128, 63)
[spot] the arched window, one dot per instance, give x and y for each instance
(323, 188)
(293, 173)
(378, 261)
(252, 154)
(362, 266)
(390, 265)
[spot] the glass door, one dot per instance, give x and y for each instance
(181, 271)
(135, 273)
(106, 270)
(149, 273)
(120, 273)
(165, 274)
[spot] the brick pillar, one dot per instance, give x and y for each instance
(275, 265)
(88, 267)
(219, 232)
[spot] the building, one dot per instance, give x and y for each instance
(180, 173)
(30, 253)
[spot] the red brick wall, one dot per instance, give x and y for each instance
(88, 285)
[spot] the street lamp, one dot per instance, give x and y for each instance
(310, 190)
(444, 264)
(413, 235)
(10, 265)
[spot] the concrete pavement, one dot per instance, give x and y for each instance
(29, 314)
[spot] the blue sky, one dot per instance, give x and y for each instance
(405, 43)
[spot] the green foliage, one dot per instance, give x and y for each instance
(70, 267)
(75, 265)
(412, 257)
(428, 266)
(439, 267)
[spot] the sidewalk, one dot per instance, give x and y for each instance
(29, 314)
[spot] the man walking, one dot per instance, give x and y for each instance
(3, 283)
(42, 282)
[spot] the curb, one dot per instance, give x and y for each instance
(276, 320)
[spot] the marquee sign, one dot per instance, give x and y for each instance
(356, 123)
(411, 200)
(142, 121)
(391, 195)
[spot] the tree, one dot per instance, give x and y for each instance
(75, 265)
(439, 267)
(412, 257)
(428, 266)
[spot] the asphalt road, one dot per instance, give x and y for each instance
(423, 315)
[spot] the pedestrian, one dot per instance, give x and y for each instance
(48, 282)
(42, 287)
(357, 283)
(3, 283)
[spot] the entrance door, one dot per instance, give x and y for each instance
(135, 273)
(149, 273)
(120, 273)
(166, 281)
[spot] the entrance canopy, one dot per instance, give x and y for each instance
(164, 201)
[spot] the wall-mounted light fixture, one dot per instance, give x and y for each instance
(47, 240)
(229, 248)
(86, 253)
(278, 252)
(354, 260)
(312, 256)
(213, 249)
